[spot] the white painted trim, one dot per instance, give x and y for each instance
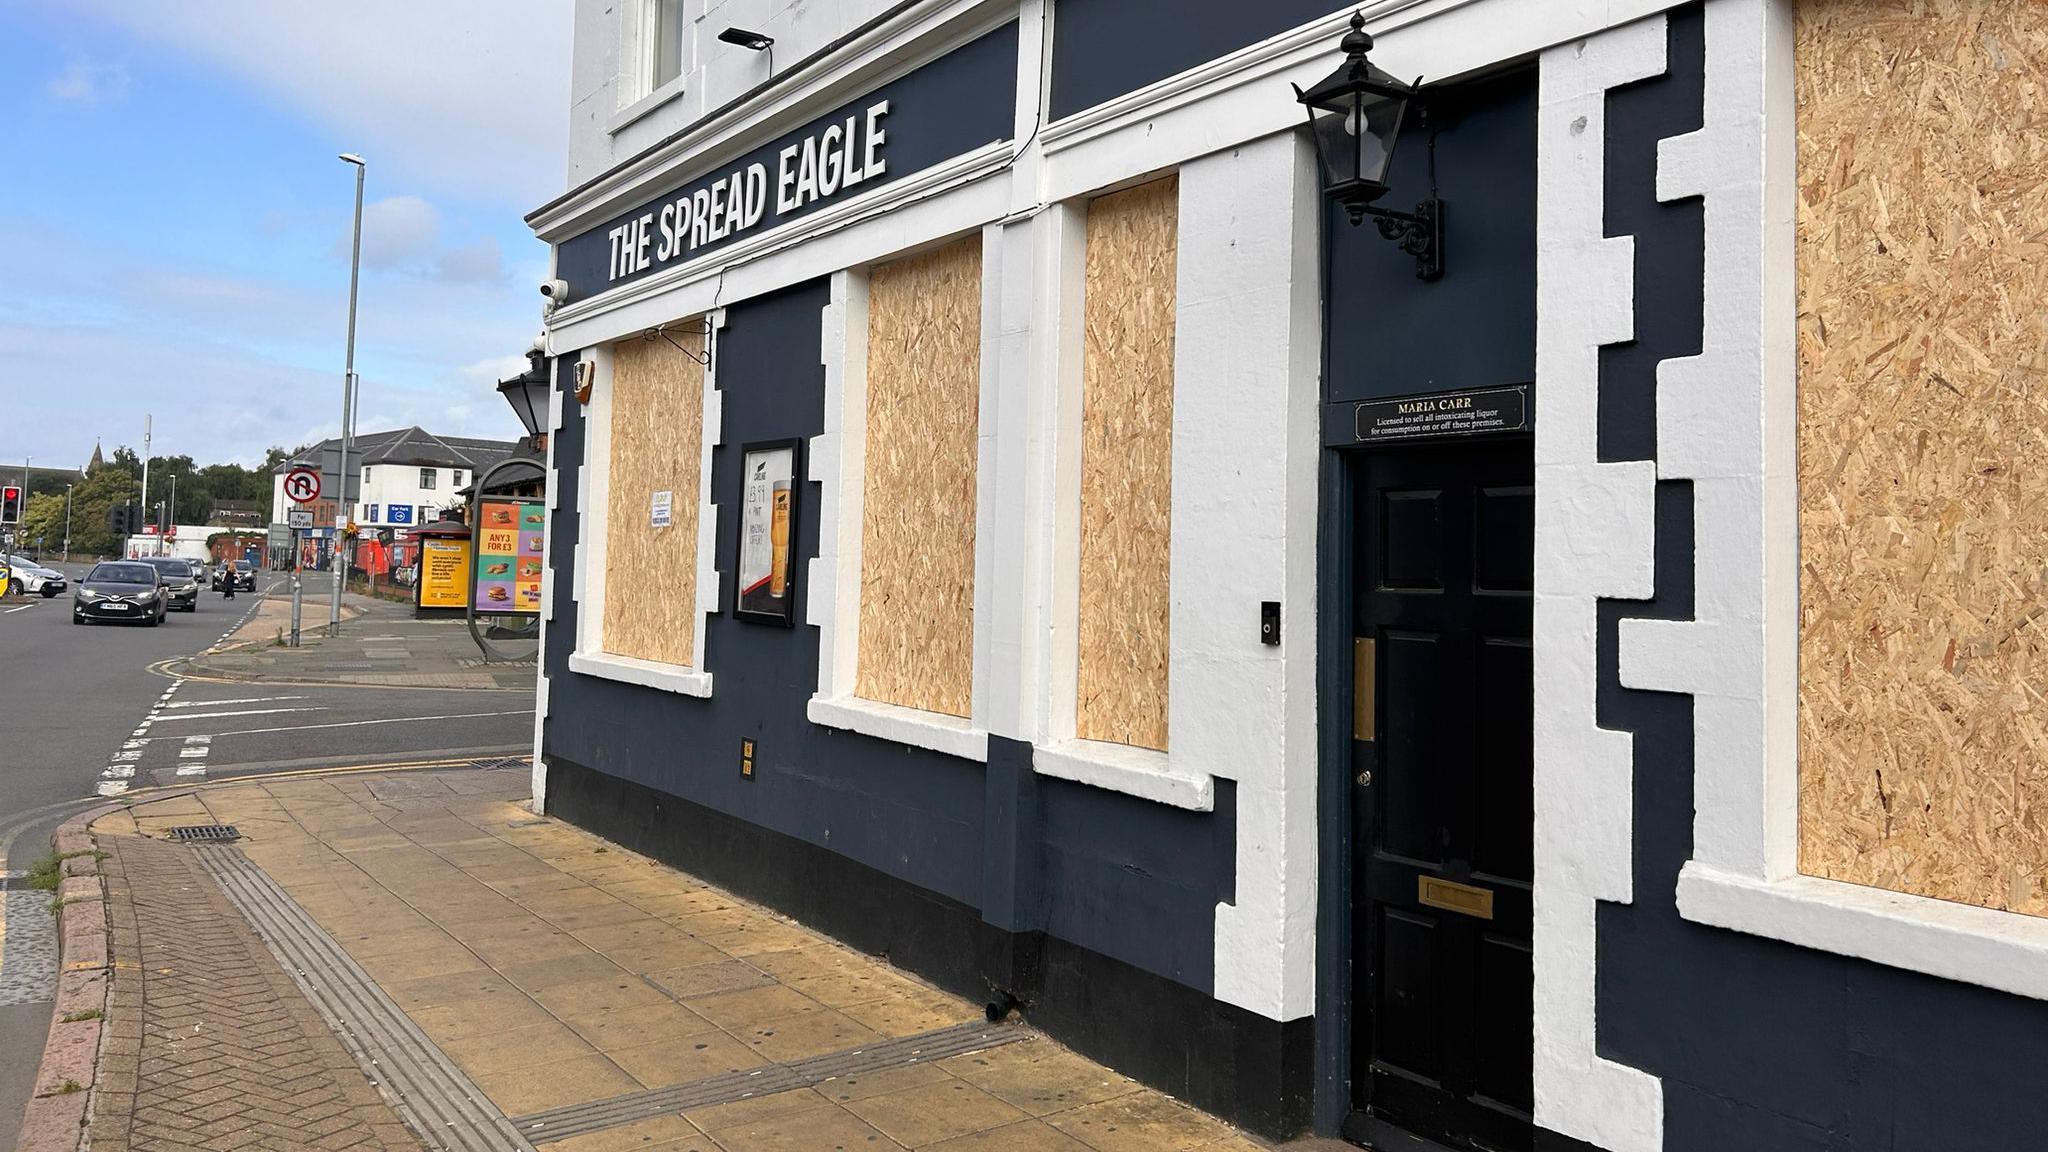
(593, 493)
(1595, 538)
(1738, 656)
(1140, 772)
(645, 106)
(1985, 946)
(648, 673)
(838, 455)
(896, 47)
(915, 727)
(711, 433)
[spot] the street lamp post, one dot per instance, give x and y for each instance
(348, 394)
(143, 508)
(67, 524)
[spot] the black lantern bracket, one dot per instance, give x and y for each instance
(1419, 233)
(660, 332)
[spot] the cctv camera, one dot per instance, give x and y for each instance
(557, 291)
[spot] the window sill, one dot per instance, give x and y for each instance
(933, 730)
(1141, 772)
(643, 107)
(2007, 951)
(647, 673)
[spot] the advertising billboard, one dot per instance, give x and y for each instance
(509, 537)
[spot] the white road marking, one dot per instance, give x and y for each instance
(130, 754)
(192, 770)
(242, 712)
(198, 739)
(119, 772)
(222, 703)
(388, 720)
(197, 752)
(23, 608)
(112, 787)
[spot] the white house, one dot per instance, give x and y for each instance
(405, 477)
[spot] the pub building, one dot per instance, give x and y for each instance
(1464, 573)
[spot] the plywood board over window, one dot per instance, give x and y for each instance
(1923, 443)
(917, 531)
(1127, 464)
(657, 425)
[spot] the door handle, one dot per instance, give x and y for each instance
(1365, 778)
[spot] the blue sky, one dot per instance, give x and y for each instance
(174, 222)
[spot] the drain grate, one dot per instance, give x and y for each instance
(205, 834)
(503, 762)
(618, 1111)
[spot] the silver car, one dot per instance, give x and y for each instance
(37, 579)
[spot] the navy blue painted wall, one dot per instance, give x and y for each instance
(1125, 878)
(1102, 49)
(1760, 1045)
(1390, 334)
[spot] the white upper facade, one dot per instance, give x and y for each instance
(645, 69)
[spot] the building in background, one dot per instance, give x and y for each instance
(403, 478)
(1582, 695)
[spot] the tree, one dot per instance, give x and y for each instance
(105, 487)
(44, 518)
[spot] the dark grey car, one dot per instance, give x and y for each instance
(121, 590)
(182, 576)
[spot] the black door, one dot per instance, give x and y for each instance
(1442, 795)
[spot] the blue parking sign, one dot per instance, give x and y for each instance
(398, 514)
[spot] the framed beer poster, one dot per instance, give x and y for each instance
(766, 589)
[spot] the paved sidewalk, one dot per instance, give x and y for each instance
(208, 1045)
(599, 998)
(380, 644)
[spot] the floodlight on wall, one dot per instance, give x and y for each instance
(1355, 116)
(753, 42)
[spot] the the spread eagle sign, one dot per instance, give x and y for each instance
(302, 485)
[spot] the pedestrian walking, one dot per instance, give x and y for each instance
(227, 579)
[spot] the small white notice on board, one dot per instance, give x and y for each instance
(660, 513)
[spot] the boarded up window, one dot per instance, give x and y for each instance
(917, 513)
(1127, 465)
(650, 572)
(1923, 444)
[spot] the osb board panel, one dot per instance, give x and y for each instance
(1127, 464)
(1923, 443)
(917, 514)
(650, 574)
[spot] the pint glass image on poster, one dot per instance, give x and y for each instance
(509, 536)
(767, 583)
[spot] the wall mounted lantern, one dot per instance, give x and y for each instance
(1355, 115)
(527, 393)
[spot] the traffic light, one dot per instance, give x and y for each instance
(10, 504)
(120, 521)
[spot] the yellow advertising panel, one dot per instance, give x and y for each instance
(444, 573)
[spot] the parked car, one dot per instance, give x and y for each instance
(121, 590)
(183, 577)
(37, 579)
(244, 575)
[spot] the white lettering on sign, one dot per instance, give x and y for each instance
(838, 157)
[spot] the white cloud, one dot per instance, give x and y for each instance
(478, 263)
(465, 96)
(398, 232)
(87, 83)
